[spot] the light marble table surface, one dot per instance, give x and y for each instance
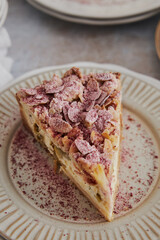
(40, 40)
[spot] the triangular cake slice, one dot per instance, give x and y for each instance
(79, 118)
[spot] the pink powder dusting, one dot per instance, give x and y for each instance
(54, 194)
(138, 165)
(33, 174)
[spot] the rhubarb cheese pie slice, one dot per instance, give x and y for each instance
(78, 117)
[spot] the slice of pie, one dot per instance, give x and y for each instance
(78, 117)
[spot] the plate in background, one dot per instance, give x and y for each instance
(92, 21)
(101, 8)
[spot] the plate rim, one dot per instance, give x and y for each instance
(151, 80)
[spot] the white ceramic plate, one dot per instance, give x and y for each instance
(89, 20)
(101, 8)
(3, 12)
(37, 204)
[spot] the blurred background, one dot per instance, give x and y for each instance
(38, 40)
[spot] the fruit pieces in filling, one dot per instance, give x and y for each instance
(81, 113)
